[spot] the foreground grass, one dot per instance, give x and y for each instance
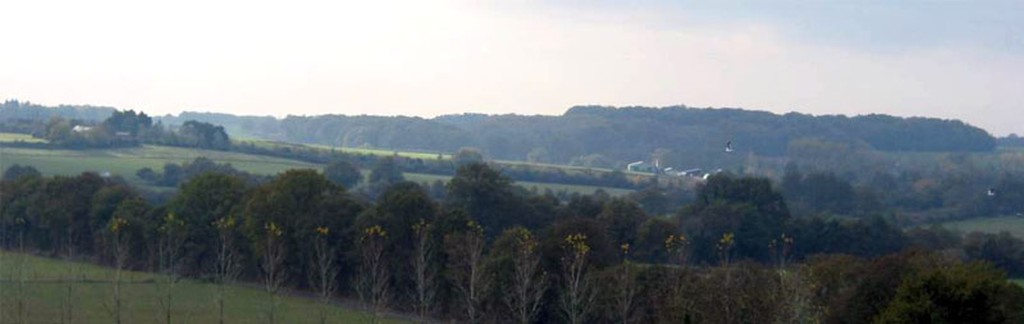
(45, 293)
(1012, 224)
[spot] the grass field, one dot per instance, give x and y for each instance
(13, 137)
(126, 161)
(1012, 224)
(366, 151)
(44, 294)
(1019, 282)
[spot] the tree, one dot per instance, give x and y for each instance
(622, 218)
(201, 203)
(961, 293)
(271, 262)
(227, 266)
(18, 171)
(424, 270)
(171, 234)
(486, 195)
(467, 155)
(343, 173)
(372, 284)
(465, 251)
(578, 292)
(625, 293)
(325, 274)
(386, 172)
(529, 281)
(123, 229)
(204, 135)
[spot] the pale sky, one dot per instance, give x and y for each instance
(949, 59)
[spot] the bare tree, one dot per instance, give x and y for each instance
(272, 263)
(227, 266)
(325, 274)
(121, 250)
(373, 284)
(172, 238)
(529, 281)
(625, 288)
(424, 270)
(465, 255)
(578, 293)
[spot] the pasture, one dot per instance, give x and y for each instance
(1012, 224)
(44, 295)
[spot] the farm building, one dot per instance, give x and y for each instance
(81, 128)
(641, 166)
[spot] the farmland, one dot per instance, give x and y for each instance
(1012, 224)
(45, 292)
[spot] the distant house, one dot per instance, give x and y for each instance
(81, 128)
(641, 166)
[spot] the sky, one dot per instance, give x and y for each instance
(949, 59)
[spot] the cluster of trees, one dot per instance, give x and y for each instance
(80, 127)
(945, 187)
(492, 251)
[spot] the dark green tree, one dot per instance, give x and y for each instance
(343, 173)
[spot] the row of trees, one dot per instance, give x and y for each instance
(492, 252)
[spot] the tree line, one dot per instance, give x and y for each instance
(490, 251)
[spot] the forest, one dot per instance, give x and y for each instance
(490, 251)
(609, 137)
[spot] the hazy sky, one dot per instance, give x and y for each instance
(951, 59)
